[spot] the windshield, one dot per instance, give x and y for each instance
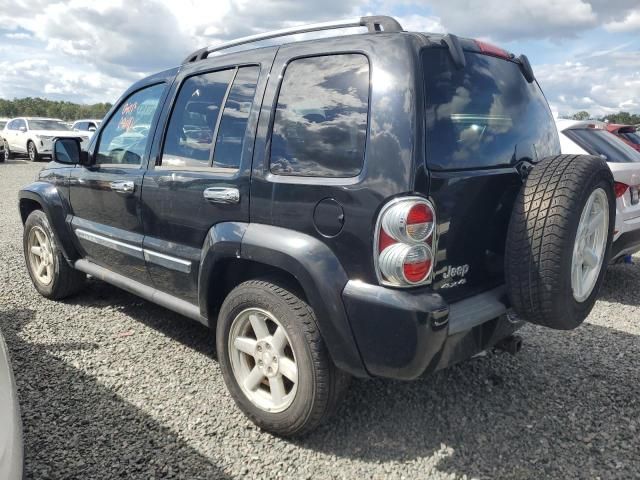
(485, 114)
(601, 142)
(47, 125)
(633, 137)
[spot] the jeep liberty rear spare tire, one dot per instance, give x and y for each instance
(559, 240)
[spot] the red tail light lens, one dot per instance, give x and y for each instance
(404, 242)
(620, 188)
(489, 49)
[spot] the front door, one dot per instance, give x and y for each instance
(105, 196)
(202, 170)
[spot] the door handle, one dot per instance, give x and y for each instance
(222, 195)
(123, 186)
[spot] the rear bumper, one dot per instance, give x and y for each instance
(403, 334)
(626, 244)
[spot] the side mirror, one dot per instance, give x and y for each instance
(23, 129)
(69, 152)
(92, 129)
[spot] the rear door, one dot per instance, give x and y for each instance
(202, 169)
(484, 123)
(105, 196)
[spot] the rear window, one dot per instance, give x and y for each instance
(485, 114)
(633, 137)
(601, 142)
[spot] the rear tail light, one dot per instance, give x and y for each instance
(489, 49)
(620, 189)
(404, 242)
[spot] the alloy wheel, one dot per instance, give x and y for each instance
(41, 259)
(262, 359)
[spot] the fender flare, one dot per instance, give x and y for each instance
(56, 209)
(309, 260)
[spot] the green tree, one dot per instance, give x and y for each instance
(582, 115)
(40, 107)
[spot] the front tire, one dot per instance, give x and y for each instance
(274, 360)
(32, 151)
(559, 240)
(50, 273)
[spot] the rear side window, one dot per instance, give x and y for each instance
(600, 142)
(320, 124)
(209, 120)
(233, 126)
(483, 115)
(194, 118)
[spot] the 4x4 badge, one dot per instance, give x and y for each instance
(456, 275)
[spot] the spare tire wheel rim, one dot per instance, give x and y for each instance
(262, 360)
(590, 245)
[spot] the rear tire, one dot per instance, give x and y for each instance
(545, 248)
(319, 385)
(7, 155)
(50, 273)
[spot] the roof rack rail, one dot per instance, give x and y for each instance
(378, 23)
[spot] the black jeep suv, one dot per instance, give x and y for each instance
(376, 204)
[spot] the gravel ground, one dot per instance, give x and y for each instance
(112, 386)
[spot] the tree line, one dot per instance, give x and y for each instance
(624, 118)
(40, 107)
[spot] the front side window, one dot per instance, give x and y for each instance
(320, 124)
(20, 124)
(193, 120)
(125, 137)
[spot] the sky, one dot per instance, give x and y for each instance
(585, 53)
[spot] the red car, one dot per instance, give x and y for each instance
(627, 133)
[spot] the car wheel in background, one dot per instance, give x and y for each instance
(50, 273)
(6, 155)
(34, 156)
(274, 360)
(559, 240)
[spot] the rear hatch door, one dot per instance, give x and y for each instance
(485, 126)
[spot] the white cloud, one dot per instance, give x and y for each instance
(630, 23)
(598, 88)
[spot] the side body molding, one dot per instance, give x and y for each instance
(56, 208)
(309, 260)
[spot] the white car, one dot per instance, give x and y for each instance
(11, 449)
(591, 137)
(88, 125)
(3, 122)
(34, 136)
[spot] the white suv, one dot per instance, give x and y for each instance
(34, 136)
(89, 125)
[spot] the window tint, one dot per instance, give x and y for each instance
(601, 142)
(125, 136)
(320, 124)
(485, 114)
(193, 120)
(233, 126)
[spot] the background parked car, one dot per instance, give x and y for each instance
(34, 136)
(86, 125)
(627, 133)
(591, 137)
(10, 421)
(3, 122)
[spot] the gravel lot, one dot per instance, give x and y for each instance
(112, 386)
